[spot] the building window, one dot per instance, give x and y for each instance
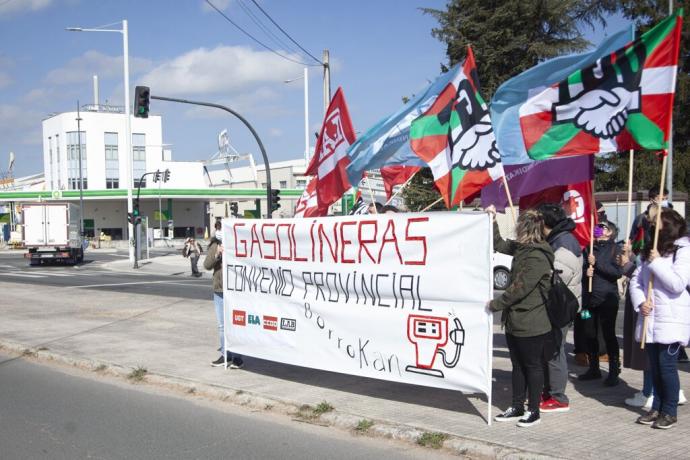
(301, 183)
(73, 160)
(57, 156)
(112, 161)
(283, 184)
(139, 158)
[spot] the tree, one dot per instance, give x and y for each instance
(421, 192)
(510, 36)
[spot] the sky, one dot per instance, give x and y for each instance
(380, 51)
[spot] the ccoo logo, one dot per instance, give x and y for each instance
(271, 323)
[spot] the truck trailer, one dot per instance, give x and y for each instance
(52, 233)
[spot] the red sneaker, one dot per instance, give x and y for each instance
(552, 405)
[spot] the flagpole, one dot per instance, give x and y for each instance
(371, 194)
(510, 199)
(650, 285)
(432, 204)
(401, 188)
(630, 191)
(592, 209)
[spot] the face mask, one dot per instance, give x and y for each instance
(598, 232)
(664, 204)
(219, 235)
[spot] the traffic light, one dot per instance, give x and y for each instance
(130, 218)
(135, 210)
(234, 209)
(157, 176)
(141, 101)
(275, 198)
(166, 175)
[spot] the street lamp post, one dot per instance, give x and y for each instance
(306, 112)
(81, 175)
(128, 121)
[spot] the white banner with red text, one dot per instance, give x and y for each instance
(399, 297)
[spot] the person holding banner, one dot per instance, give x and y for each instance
(524, 315)
(214, 261)
(665, 271)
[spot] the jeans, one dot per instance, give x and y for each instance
(663, 365)
(194, 258)
(527, 357)
(220, 318)
(557, 372)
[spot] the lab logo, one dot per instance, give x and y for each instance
(430, 335)
(254, 320)
(239, 318)
(288, 324)
(270, 323)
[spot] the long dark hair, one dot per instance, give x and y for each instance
(673, 226)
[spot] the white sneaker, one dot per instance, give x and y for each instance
(681, 398)
(640, 400)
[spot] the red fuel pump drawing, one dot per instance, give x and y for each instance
(430, 334)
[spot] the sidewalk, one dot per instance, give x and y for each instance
(175, 340)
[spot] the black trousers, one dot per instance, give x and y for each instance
(527, 354)
(604, 319)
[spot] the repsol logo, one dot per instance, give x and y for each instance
(288, 324)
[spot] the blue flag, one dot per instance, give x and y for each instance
(513, 93)
(387, 143)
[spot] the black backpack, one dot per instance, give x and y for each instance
(561, 303)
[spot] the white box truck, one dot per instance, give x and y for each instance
(52, 232)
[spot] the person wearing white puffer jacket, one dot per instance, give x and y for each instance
(667, 314)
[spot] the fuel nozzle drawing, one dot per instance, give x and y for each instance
(430, 334)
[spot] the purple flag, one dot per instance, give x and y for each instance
(527, 178)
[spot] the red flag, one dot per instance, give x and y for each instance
(330, 156)
(577, 201)
(307, 205)
(396, 175)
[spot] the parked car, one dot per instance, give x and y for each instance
(502, 263)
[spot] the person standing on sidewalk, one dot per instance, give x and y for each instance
(667, 313)
(558, 230)
(524, 315)
(214, 261)
(192, 249)
(602, 302)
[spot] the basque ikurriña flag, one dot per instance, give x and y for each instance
(622, 101)
(330, 155)
(307, 205)
(456, 139)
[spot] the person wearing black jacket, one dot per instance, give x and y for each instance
(602, 266)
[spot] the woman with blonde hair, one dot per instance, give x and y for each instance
(524, 315)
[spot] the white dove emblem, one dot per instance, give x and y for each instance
(600, 112)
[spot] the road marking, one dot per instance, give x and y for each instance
(25, 275)
(134, 283)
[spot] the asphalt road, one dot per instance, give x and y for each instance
(47, 413)
(91, 275)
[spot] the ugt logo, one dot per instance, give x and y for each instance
(254, 320)
(333, 134)
(239, 318)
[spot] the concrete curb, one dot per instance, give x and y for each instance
(466, 447)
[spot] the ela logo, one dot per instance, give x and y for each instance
(271, 323)
(288, 324)
(254, 319)
(239, 317)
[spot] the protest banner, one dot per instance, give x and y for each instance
(399, 297)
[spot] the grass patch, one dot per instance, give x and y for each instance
(28, 352)
(268, 407)
(322, 408)
(239, 392)
(363, 426)
(433, 440)
(42, 349)
(138, 374)
(191, 391)
(101, 368)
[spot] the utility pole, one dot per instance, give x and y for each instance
(326, 81)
